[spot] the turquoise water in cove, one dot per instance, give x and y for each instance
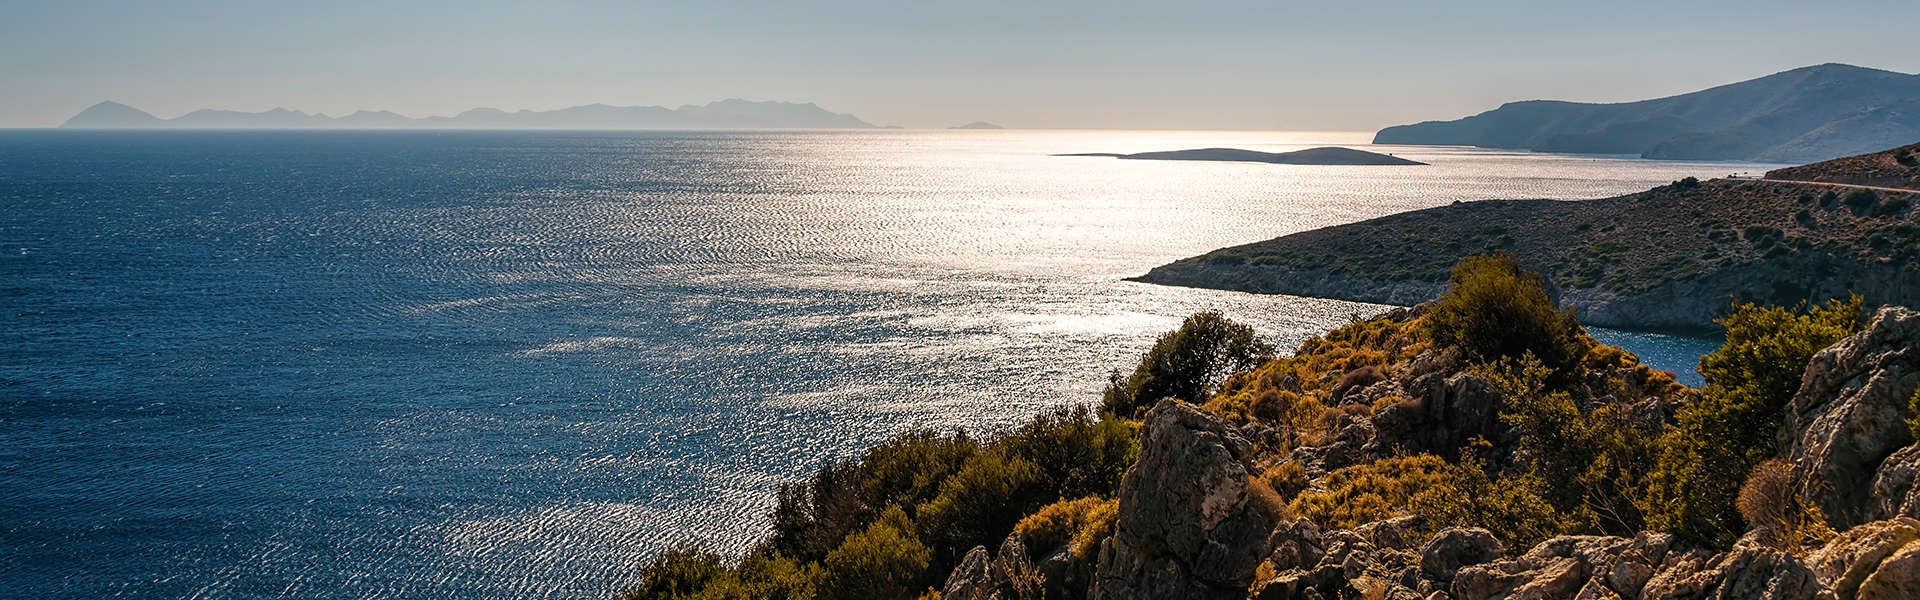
(514, 365)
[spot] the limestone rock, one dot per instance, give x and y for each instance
(1850, 414)
(1452, 549)
(1186, 526)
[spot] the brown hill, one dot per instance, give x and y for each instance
(1896, 168)
(1669, 258)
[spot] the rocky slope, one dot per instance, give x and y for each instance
(1806, 114)
(1894, 168)
(1668, 258)
(1196, 521)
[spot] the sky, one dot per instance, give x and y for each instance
(1191, 64)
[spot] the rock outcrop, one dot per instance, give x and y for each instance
(1007, 575)
(1190, 522)
(1846, 432)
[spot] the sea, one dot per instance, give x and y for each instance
(429, 364)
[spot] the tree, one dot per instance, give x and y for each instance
(1189, 363)
(1494, 309)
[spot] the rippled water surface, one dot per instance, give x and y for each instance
(512, 365)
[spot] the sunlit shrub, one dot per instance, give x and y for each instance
(885, 560)
(1188, 364)
(1370, 492)
(1059, 524)
(1492, 309)
(1514, 507)
(1287, 479)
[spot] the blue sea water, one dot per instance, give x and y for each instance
(515, 364)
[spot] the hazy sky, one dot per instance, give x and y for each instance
(1349, 65)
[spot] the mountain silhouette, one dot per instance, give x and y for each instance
(724, 114)
(1803, 115)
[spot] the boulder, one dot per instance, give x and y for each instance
(1449, 550)
(970, 580)
(1857, 553)
(1747, 572)
(1849, 416)
(1009, 575)
(1186, 525)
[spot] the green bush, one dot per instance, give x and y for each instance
(1492, 309)
(1597, 457)
(1514, 507)
(978, 505)
(1861, 201)
(1077, 452)
(1719, 438)
(680, 572)
(1892, 207)
(883, 561)
(1189, 364)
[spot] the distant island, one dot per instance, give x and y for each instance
(1803, 115)
(977, 125)
(1669, 258)
(724, 114)
(1312, 156)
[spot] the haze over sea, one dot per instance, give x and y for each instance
(515, 364)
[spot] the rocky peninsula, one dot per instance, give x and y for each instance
(1329, 155)
(1670, 258)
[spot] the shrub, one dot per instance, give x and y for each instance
(1060, 523)
(1913, 422)
(1597, 458)
(1188, 363)
(1514, 508)
(1828, 198)
(1099, 527)
(1077, 453)
(1370, 492)
(1287, 479)
(1719, 438)
(1492, 308)
(978, 505)
(678, 572)
(1781, 517)
(1861, 201)
(1892, 207)
(883, 561)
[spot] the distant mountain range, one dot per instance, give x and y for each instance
(1803, 115)
(725, 114)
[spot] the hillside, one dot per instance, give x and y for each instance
(1668, 258)
(1896, 168)
(724, 114)
(1803, 115)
